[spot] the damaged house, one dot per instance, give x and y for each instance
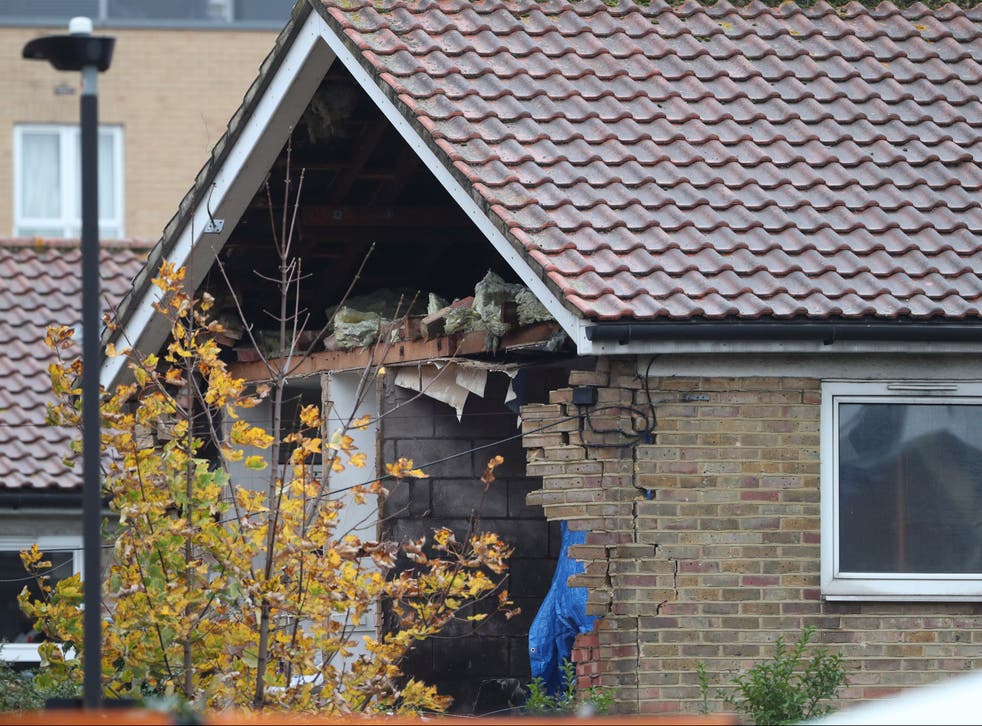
(720, 264)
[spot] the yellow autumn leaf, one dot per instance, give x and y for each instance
(444, 536)
(310, 416)
(245, 434)
(256, 463)
(403, 468)
(359, 460)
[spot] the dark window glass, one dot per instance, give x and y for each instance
(169, 10)
(277, 10)
(15, 627)
(65, 9)
(910, 488)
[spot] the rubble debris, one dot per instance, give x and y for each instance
(496, 308)
(461, 318)
(435, 303)
(360, 321)
(492, 296)
(530, 310)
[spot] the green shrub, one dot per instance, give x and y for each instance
(22, 690)
(593, 701)
(788, 688)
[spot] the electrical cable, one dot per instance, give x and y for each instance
(32, 578)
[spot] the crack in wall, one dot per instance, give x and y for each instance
(675, 585)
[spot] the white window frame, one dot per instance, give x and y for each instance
(838, 585)
(28, 652)
(68, 146)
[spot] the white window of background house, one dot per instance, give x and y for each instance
(902, 491)
(18, 640)
(47, 181)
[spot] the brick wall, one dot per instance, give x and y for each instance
(173, 92)
(704, 543)
(467, 665)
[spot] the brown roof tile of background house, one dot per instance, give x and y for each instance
(707, 162)
(40, 285)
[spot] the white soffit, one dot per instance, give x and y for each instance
(235, 182)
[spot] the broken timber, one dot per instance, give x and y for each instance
(400, 352)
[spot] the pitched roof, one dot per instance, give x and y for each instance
(706, 162)
(41, 287)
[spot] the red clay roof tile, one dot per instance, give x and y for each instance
(42, 287)
(708, 161)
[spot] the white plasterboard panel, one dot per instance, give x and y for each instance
(347, 403)
(435, 382)
(474, 380)
(236, 181)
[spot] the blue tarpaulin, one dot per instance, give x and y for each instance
(561, 617)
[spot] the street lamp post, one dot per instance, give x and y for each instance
(82, 51)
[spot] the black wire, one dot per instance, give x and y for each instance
(635, 437)
(41, 574)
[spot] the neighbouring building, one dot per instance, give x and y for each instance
(40, 496)
(177, 75)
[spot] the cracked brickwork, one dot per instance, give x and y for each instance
(703, 542)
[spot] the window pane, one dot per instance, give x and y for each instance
(49, 8)
(15, 627)
(40, 180)
(277, 10)
(107, 176)
(169, 10)
(910, 488)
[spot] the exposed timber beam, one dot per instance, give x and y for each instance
(403, 352)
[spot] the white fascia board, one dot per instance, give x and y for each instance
(574, 326)
(884, 366)
(235, 183)
(817, 347)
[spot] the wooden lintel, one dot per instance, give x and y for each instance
(447, 346)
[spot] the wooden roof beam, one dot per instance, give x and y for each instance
(449, 346)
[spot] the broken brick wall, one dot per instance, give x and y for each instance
(704, 541)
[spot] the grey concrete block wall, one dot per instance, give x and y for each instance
(426, 430)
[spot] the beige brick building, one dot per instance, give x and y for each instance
(170, 91)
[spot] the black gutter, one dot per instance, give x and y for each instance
(41, 500)
(827, 333)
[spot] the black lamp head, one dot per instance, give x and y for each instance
(72, 52)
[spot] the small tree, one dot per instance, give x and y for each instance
(231, 597)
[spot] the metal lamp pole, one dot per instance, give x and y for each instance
(81, 51)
